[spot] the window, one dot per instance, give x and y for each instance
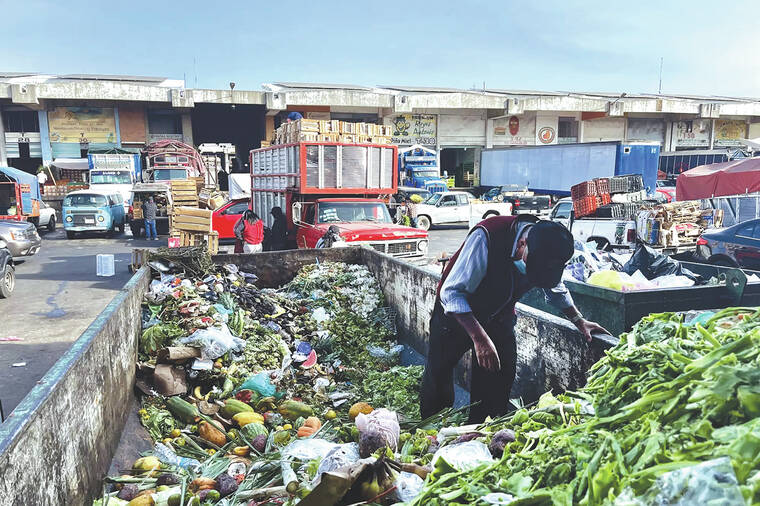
(746, 230)
(309, 215)
(567, 128)
(85, 199)
(563, 211)
(21, 121)
(164, 122)
(110, 177)
(448, 200)
(335, 212)
(238, 208)
(463, 200)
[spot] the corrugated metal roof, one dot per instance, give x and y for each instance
(426, 89)
(321, 86)
(111, 77)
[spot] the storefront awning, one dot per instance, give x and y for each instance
(71, 163)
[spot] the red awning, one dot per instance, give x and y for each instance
(719, 179)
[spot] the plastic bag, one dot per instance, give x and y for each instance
(340, 456)
(711, 482)
(382, 353)
(463, 456)
(408, 486)
(302, 449)
(320, 315)
(653, 264)
(214, 341)
(260, 383)
(380, 426)
(611, 279)
(673, 281)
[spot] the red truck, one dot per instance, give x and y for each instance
(319, 184)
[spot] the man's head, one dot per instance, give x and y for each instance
(276, 211)
(150, 198)
(546, 247)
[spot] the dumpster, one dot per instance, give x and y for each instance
(618, 311)
(81, 418)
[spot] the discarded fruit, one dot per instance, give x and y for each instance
(359, 407)
(243, 419)
(212, 434)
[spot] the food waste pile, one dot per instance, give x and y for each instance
(296, 396)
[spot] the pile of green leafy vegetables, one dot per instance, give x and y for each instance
(667, 397)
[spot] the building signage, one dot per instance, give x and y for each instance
(729, 132)
(514, 131)
(514, 125)
(82, 125)
(693, 133)
(547, 135)
(411, 129)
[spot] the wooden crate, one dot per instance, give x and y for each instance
(348, 138)
(191, 219)
(195, 239)
(185, 192)
(329, 138)
(347, 128)
(306, 125)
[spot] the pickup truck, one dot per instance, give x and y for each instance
(456, 207)
(608, 233)
(523, 201)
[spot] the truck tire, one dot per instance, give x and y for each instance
(7, 281)
(135, 231)
(121, 228)
(423, 222)
(51, 224)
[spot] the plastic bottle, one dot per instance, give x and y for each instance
(167, 456)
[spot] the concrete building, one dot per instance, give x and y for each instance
(47, 117)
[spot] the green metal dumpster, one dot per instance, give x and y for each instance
(618, 311)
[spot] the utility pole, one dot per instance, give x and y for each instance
(659, 89)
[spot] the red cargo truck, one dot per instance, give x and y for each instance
(319, 184)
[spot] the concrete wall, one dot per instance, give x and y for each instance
(56, 446)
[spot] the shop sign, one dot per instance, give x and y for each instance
(546, 135)
(514, 125)
(411, 129)
(692, 133)
(514, 131)
(729, 132)
(82, 124)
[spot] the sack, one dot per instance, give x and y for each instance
(653, 264)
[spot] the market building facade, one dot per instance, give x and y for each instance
(47, 118)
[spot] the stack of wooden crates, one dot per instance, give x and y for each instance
(193, 226)
(312, 130)
(184, 192)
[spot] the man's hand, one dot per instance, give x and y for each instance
(586, 328)
(485, 351)
(487, 356)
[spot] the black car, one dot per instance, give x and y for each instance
(7, 271)
(736, 246)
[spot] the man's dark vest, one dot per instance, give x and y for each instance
(494, 295)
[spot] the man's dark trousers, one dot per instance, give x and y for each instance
(448, 342)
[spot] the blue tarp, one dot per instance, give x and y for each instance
(22, 177)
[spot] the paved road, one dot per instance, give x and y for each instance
(58, 294)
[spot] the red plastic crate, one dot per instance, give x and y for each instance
(604, 199)
(585, 206)
(602, 185)
(582, 190)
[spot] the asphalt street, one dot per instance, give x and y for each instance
(58, 294)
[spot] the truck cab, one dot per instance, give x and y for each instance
(418, 168)
(361, 222)
(113, 181)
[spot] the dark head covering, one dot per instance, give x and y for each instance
(550, 247)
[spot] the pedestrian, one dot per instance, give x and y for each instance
(42, 177)
(149, 215)
(250, 231)
(502, 258)
(279, 229)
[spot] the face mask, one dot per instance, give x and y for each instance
(521, 267)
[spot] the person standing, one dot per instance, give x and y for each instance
(42, 177)
(149, 216)
(279, 229)
(250, 231)
(502, 258)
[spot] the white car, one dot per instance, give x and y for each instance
(48, 217)
(456, 207)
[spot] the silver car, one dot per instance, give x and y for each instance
(21, 237)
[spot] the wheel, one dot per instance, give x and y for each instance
(70, 234)
(51, 224)
(121, 228)
(7, 281)
(601, 243)
(135, 231)
(423, 222)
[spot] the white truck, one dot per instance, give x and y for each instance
(114, 180)
(456, 207)
(609, 234)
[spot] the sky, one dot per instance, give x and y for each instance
(707, 48)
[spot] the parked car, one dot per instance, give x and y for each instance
(7, 271)
(223, 220)
(93, 211)
(735, 246)
(47, 217)
(456, 207)
(20, 237)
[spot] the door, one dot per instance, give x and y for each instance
(448, 211)
(463, 208)
(308, 233)
(561, 213)
(224, 219)
(117, 209)
(747, 245)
